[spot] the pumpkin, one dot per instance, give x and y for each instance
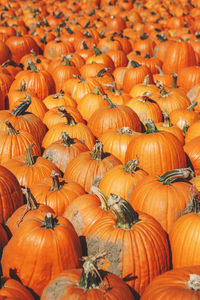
(184, 235)
(152, 149)
(163, 197)
(59, 250)
(89, 282)
(64, 150)
(113, 117)
(59, 99)
(12, 289)
(185, 280)
(88, 167)
(15, 142)
(122, 179)
(28, 210)
(56, 192)
(30, 168)
(135, 244)
(13, 197)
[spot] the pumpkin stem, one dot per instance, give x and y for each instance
(69, 29)
(97, 91)
(58, 95)
(131, 166)
(66, 139)
(194, 282)
(112, 105)
(97, 153)
(163, 92)
(33, 67)
(30, 160)
(31, 204)
(22, 87)
(146, 80)
(144, 36)
(85, 47)
(70, 119)
(11, 129)
(50, 222)
(56, 184)
(135, 64)
(160, 70)
(21, 109)
(191, 107)
(97, 51)
(169, 177)
(90, 277)
(66, 60)
(151, 127)
(174, 85)
(125, 130)
(101, 72)
(126, 216)
(166, 122)
(102, 197)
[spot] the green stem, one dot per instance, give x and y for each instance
(125, 130)
(101, 72)
(97, 51)
(30, 160)
(97, 153)
(174, 85)
(22, 108)
(135, 64)
(56, 184)
(66, 140)
(192, 106)
(11, 129)
(126, 216)
(166, 123)
(169, 177)
(33, 67)
(66, 60)
(50, 222)
(151, 127)
(70, 119)
(112, 105)
(131, 166)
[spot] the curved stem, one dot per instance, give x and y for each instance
(30, 160)
(192, 106)
(66, 139)
(21, 109)
(126, 216)
(97, 153)
(169, 177)
(131, 166)
(70, 119)
(151, 127)
(55, 179)
(101, 72)
(102, 197)
(112, 105)
(166, 122)
(135, 64)
(11, 129)
(50, 222)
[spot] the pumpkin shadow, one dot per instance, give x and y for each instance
(128, 278)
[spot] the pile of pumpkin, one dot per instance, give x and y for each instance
(100, 149)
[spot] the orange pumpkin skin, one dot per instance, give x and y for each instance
(13, 198)
(84, 169)
(116, 117)
(192, 132)
(164, 202)
(13, 289)
(57, 248)
(168, 284)
(63, 151)
(192, 150)
(141, 252)
(111, 288)
(153, 151)
(59, 196)
(184, 241)
(180, 117)
(120, 181)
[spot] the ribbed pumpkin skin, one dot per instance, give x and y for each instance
(59, 199)
(84, 170)
(10, 194)
(157, 152)
(83, 212)
(192, 149)
(165, 203)
(192, 132)
(13, 289)
(141, 252)
(37, 253)
(106, 118)
(79, 131)
(64, 286)
(172, 285)
(29, 174)
(185, 241)
(120, 182)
